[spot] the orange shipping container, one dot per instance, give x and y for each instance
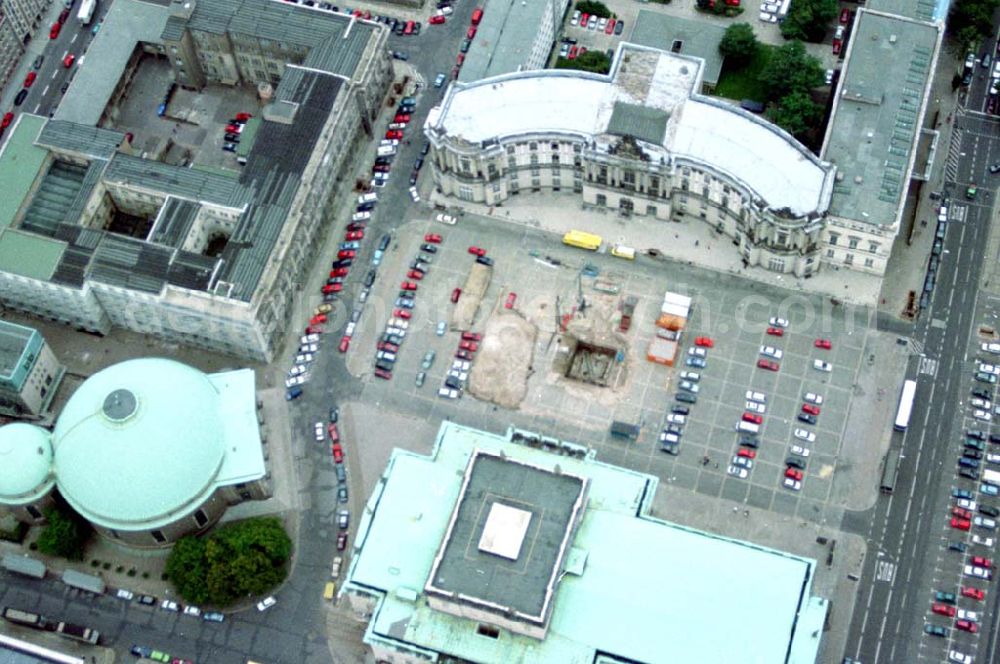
(669, 322)
(661, 351)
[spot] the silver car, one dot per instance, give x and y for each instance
(772, 352)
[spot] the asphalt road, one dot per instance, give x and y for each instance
(908, 532)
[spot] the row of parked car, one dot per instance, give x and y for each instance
(686, 395)
(170, 605)
(233, 130)
(597, 23)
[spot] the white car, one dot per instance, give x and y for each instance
(981, 403)
(361, 216)
(991, 348)
(800, 451)
(386, 355)
(967, 504)
(266, 603)
(400, 323)
(697, 351)
(319, 432)
(771, 351)
(462, 376)
(461, 365)
(349, 330)
(688, 386)
(736, 471)
(793, 484)
(295, 380)
(756, 396)
(984, 541)
(309, 339)
(309, 348)
(805, 435)
(756, 407)
(990, 368)
(993, 458)
(978, 572)
(692, 376)
(820, 365)
(769, 7)
(743, 462)
(441, 328)
(335, 568)
(296, 370)
(370, 197)
(446, 219)
(121, 593)
(676, 418)
(447, 393)
(959, 657)
(303, 358)
(984, 522)
(389, 142)
(169, 605)
(192, 611)
(576, 17)
(981, 415)
(602, 23)
(768, 18)
(813, 398)
(965, 614)
(398, 331)
(398, 126)
(414, 195)
(778, 322)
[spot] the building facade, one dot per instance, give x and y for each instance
(18, 20)
(30, 374)
(604, 138)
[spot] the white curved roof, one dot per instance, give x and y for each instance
(26, 460)
(747, 148)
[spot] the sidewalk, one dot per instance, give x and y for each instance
(690, 241)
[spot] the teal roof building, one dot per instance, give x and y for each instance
(26, 460)
(147, 450)
(520, 548)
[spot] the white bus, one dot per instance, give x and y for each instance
(86, 11)
(905, 405)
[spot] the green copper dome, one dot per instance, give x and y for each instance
(26, 462)
(138, 442)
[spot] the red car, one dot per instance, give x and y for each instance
(345, 343)
(572, 53)
(961, 514)
(332, 288)
(753, 417)
(391, 347)
(317, 319)
(583, 20)
(845, 15)
(979, 561)
(63, 15)
(776, 331)
(383, 374)
(747, 452)
(511, 299)
(812, 409)
(460, 59)
(463, 355)
(338, 453)
(960, 524)
(339, 272)
(611, 27)
(470, 346)
(380, 168)
(402, 313)
(408, 29)
(943, 610)
(415, 274)
(837, 45)
(471, 32)
(408, 285)
(436, 20)
(7, 119)
(354, 235)
(966, 626)
(68, 61)
(341, 541)
(823, 343)
(974, 593)
(477, 251)
(394, 134)
(29, 79)
(54, 30)
(704, 341)
(433, 238)
(346, 253)
(331, 430)
(770, 365)
(243, 117)
(455, 294)
(471, 336)
(794, 473)
(356, 226)
(401, 117)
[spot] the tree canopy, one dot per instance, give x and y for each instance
(796, 113)
(238, 560)
(809, 19)
(65, 534)
(739, 43)
(598, 9)
(791, 69)
(970, 22)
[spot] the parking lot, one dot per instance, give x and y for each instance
(732, 312)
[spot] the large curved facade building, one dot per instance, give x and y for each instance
(147, 451)
(641, 141)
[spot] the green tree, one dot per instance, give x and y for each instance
(791, 69)
(598, 9)
(593, 61)
(809, 19)
(796, 113)
(242, 559)
(969, 22)
(739, 44)
(65, 534)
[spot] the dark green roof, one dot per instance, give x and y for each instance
(642, 122)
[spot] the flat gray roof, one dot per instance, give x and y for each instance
(877, 115)
(13, 340)
(504, 38)
(525, 584)
(697, 38)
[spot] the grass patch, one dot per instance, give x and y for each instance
(742, 83)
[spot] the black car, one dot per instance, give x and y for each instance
(400, 55)
(969, 474)
(334, 414)
(978, 435)
(957, 546)
(232, 138)
(807, 418)
(466, 43)
(619, 27)
(680, 410)
(970, 453)
(429, 248)
(453, 383)
(384, 241)
(425, 148)
(419, 163)
(38, 62)
(988, 510)
(414, 176)
(342, 493)
(399, 27)
(383, 365)
(343, 262)
(64, 88)
(419, 267)
(416, 28)
(749, 440)
(19, 99)
(994, 438)
(370, 278)
(686, 397)
(795, 462)
(383, 160)
(670, 448)
(366, 207)
(982, 393)
(484, 260)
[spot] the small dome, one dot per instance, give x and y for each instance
(139, 441)
(26, 460)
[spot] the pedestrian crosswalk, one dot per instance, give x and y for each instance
(954, 154)
(928, 366)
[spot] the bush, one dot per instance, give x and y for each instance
(592, 61)
(131, 572)
(598, 9)
(809, 19)
(739, 44)
(238, 560)
(64, 535)
(95, 563)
